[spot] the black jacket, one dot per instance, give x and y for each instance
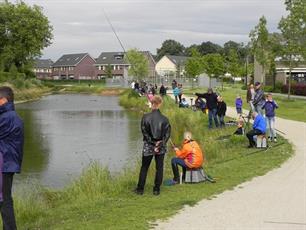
(221, 108)
(211, 99)
(155, 127)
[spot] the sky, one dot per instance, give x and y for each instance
(81, 26)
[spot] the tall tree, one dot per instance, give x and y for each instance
(260, 45)
(213, 65)
(232, 63)
(139, 64)
(24, 32)
(194, 65)
(170, 47)
(209, 48)
(293, 28)
(109, 71)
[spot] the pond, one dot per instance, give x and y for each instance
(65, 133)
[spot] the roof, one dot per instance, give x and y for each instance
(177, 60)
(111, 58)
(43, 63)
(69, 59)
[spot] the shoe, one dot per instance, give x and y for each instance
(170, 182)
(156, 192)
(275, 140)
(138, 192)
(270, 138)
(250, 146)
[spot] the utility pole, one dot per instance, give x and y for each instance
(246, 71)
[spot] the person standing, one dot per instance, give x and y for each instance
(250, 96)
(221, 111)
(259, 98)
(211, 104)
(163, 90)
(238, 104)
(270, 107)
(176, 92)
(11, 148)
(180, 87)
(156, 131)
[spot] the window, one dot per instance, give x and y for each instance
(103, 67)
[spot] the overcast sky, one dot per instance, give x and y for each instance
(80, 26)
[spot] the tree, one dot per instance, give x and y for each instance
(170, 47)
(293, 28)
(139, 64)
(232, 63)
(260, 45)
(194, 65)
(213, 65)
(109, 71)
(24, 32)
(209, 48)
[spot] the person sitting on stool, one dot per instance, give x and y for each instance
(259, 128)
(190, 156)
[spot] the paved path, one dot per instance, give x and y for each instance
(276, 200)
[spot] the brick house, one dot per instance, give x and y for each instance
(119, 65)
(114, 60)
(74, 66)
(43, 68)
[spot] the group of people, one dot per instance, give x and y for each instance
(156, 131)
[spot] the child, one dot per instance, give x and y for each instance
(184, 103)
(221, 110)
(239, 130)
(238, 103)
(270, 107)
(176, 92)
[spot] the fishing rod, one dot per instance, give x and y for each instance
(118, 39)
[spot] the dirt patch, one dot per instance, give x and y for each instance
(111, 92)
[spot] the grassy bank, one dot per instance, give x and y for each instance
(98, 200)
(293, 109)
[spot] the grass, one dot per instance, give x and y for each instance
(293, 109)
(98, 200)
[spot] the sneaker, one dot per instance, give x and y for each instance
(270, 138)
(138, 192)
(170, 182)
(250, 146)
(275, 140)
(156, 192)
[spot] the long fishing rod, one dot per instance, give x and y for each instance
(116, 35)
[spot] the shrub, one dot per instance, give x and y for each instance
(297, 89)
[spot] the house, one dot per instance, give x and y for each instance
(114, 61)
(74, 66)
(282, 73)
(170, 65)
(43, 68)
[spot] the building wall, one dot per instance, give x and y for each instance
(164, 66)
(85, 69)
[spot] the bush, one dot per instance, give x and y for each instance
(296, 89)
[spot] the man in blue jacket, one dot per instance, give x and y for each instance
(259, 127)
(11, 148)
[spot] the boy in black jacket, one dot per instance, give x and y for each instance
(221, 110)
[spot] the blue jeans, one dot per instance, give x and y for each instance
(175, 162)
(212, 113)
(221, 120)
(271, 126)
(258, 109)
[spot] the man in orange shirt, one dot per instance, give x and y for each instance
(190, 156)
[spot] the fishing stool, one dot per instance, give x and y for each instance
(196, 175)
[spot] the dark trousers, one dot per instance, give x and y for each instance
(221, 120)
(180, 98)
(7, 207)
(251, 134)
(159, 164)
(175, 162)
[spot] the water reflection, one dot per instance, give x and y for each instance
(64, 133)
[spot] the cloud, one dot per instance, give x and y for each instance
(145, 24)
